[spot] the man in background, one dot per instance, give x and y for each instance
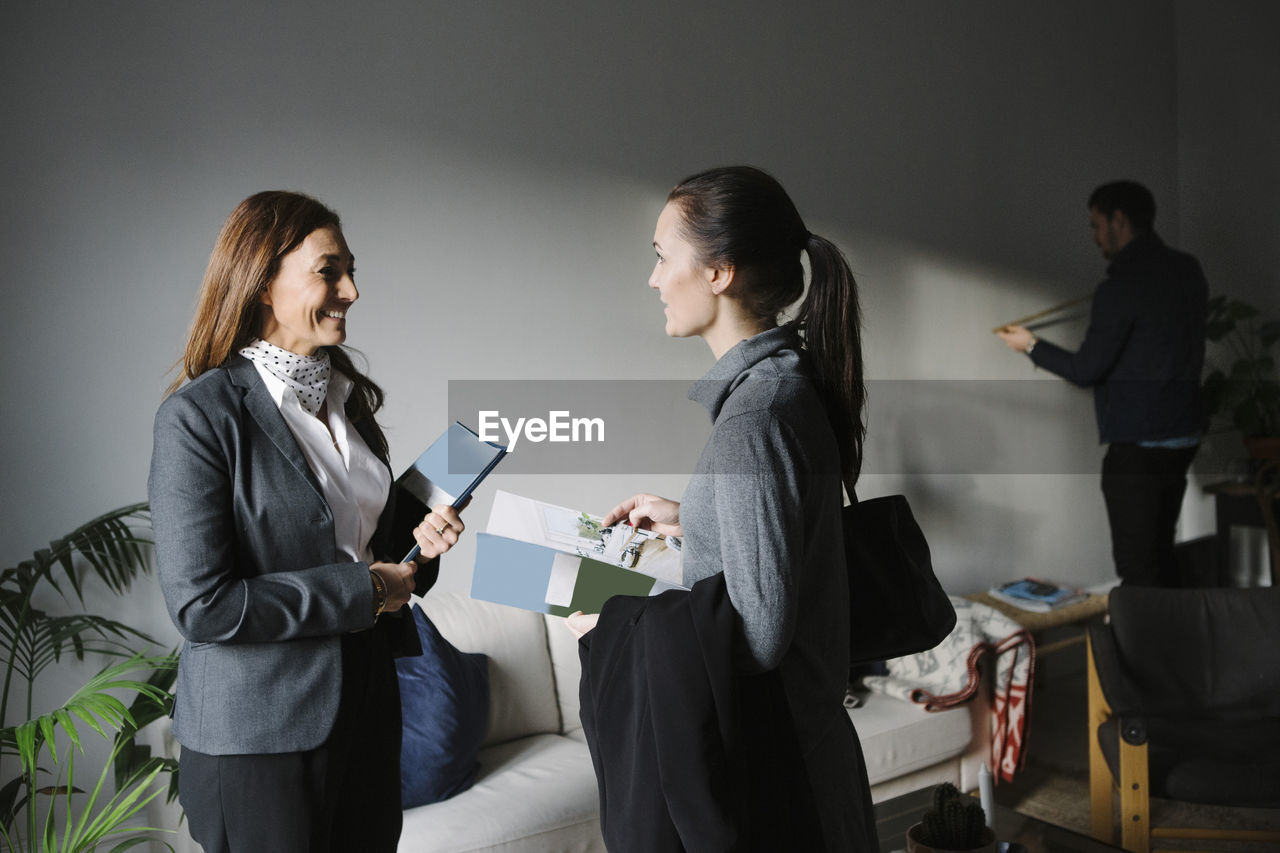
(1142, 356)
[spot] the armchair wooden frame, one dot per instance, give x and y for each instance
(1136, 832)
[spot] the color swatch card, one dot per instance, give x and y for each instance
(552, 559)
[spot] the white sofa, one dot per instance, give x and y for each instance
(536, 789)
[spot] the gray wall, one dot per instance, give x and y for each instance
(499, 167)
(1228, 143)
(1228, 83)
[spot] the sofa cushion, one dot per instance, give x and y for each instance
(568, 672)
(536, 793)
(898, 737)
(444, 700)
(522, 690)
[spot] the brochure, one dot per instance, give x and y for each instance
(552, 559)
(1039, 596)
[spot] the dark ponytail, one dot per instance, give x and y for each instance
(831, 322)
(741, 217)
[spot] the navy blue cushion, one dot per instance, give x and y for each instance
(444, 699)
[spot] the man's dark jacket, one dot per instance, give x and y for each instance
(689, 754)
(1144, 350)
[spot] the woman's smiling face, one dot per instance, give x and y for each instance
(305, 305)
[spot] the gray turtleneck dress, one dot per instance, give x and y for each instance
(763, 506)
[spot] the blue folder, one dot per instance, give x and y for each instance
(450, 469)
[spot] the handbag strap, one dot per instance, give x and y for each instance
(850, 492)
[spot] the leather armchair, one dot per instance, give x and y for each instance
(1184, 703)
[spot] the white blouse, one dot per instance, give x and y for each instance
(353, 480)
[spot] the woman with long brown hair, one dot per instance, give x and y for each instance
(274, 517)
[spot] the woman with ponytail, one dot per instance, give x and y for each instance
(763, 506)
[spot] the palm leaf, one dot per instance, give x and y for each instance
(144, 710)
(109, 544)
(129, 799)
(93, 704)
(42, 640)
(10, 804)
(134, 842)
(52, 636)
(114, 548)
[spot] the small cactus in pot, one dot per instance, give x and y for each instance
(953, 824)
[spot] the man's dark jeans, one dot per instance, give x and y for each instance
(1143, 488)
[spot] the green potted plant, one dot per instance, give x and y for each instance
(42, 809)
(955, 823)
(1242, 385)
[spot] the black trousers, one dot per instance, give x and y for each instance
(1143, 488)
(341, 796)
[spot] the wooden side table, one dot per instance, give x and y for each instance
(1235, 504)
(1037, 623)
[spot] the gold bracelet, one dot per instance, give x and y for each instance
(379, 593)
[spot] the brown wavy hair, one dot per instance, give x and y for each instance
(246, 257)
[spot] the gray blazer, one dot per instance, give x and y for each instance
(250, 571)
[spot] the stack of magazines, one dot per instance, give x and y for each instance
(1039, 596)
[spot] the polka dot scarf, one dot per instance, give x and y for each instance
(306, 375)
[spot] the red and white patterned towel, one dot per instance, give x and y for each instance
(946, 676)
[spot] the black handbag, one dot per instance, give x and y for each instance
(896, 605)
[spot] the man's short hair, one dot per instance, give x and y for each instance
(1130, 198)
